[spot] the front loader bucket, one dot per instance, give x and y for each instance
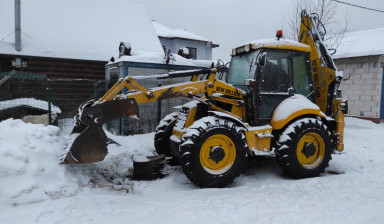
(90, 146)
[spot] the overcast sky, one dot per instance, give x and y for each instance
(231, 23)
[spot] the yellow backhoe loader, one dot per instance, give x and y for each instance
(278, 96)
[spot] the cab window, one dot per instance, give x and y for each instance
(302, 78)
(242, 67)
(275, 74)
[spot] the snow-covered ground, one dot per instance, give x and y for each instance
(34, 188)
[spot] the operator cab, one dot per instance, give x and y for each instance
(270, 71)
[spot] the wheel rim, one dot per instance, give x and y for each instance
(310, 150)
(223, 163)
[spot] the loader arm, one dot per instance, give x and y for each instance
(98, 113)
(91, 144)
(185, 89)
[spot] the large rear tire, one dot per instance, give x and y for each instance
(304, 148)
(213, 152)
(164, 132)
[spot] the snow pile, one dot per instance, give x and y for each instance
(361, 43)
(29, 169)
(30, 102)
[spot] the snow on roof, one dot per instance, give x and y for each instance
(158, 58)
(30, 102)
(361, 43)
(167, 32)
(273, 43)
(87, 29)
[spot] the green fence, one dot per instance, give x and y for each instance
(36, 99)
(24, 96)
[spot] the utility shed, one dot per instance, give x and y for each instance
(361, 58)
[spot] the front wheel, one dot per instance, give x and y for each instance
(304, 148)
(164, 132)
(213, 152)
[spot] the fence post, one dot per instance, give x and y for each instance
(95, 90)
(159, 109)
(121, 126)
(49, 103)
(22, 89)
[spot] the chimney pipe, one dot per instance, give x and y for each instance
(17, 25)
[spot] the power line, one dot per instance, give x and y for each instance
(359, 6)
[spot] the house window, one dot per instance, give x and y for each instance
(192, 53)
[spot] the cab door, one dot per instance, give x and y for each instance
(275, 83)
(283, 74)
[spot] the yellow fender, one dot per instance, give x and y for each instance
(291, 108)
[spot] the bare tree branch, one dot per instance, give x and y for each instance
(326, 10)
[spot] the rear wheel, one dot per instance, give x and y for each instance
(304, 149)
(213, 152)
(164, 132)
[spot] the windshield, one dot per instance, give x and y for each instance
(242, 67)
